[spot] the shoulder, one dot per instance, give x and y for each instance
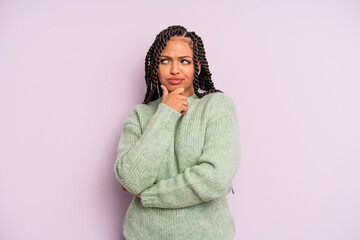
(133, 115)
(219, 105)
(141, 110)
(222, 103)
(220, 99)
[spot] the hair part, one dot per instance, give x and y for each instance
(201, 81)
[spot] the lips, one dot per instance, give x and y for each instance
(174, 80)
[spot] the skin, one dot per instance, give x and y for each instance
(174, 64)
(176, 61)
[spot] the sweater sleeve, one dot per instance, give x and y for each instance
(141, 154)
(208, 180)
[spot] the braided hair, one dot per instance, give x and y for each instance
(202, 80)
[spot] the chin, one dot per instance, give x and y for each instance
(173, 87)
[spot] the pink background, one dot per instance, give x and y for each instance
(71, 70)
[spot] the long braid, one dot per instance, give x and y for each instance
(196, 81)
(202, 81)
(147, 70)
(205, 79)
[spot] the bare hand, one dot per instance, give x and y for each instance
(176, 99)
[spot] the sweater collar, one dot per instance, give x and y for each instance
(194, 97)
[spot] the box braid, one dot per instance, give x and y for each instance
(202, 81)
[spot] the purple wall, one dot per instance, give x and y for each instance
(71, 70)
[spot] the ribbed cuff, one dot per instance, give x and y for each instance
(149, 199)
(166, 115)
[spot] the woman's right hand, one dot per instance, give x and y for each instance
(176, 99)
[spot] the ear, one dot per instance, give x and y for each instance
(199, 64)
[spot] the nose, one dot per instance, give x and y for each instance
(174, 68)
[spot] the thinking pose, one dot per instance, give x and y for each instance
(179, 150)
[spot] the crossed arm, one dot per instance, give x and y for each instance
(139, 160)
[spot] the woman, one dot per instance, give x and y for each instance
(179, 149)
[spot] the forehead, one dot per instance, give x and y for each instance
(178, 46)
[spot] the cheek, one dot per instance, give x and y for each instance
(161, 71)
(160, 74)
(190, 71)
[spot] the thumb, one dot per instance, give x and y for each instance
(165, 91)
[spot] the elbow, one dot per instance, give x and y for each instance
(223, 178)
(130, 179)
(217, 187)
(222, 188)
(125, 179)
(120, 176)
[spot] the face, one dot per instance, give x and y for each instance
(176, 62)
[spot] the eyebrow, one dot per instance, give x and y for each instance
(179, 57)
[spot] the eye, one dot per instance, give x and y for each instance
(187, 62)
(162, 60)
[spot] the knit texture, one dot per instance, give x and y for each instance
(183, 166)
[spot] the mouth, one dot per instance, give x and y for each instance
(174, 80)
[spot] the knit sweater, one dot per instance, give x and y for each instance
(183, 166)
